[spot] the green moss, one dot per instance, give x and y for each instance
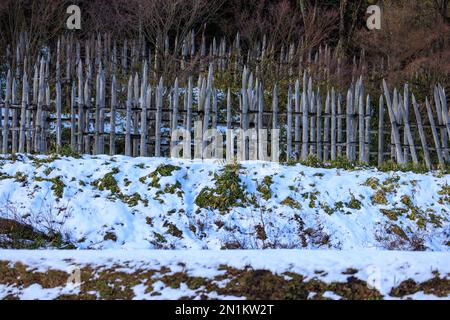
(126, 182)
(20, 177)
(174, 188)
(395, 229)
(291, 203)
(48, 171)
(58, 186)
(445, 193)
(338, 163)
(407, 167)
(159, 237)
(164, 170)
(354, 203)
(393, 214)
(264, 188)
(328, 210)
(173, 230)
(108, 182)
(110, 236)
(312, 196)
(379, 198)
(228, 192)
(133, 200)
(372, 182)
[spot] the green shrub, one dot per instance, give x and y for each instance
(228, 192)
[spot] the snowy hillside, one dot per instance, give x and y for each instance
(237, 274)
(118, 202)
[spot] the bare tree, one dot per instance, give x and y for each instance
(40, 20)
(442, 7)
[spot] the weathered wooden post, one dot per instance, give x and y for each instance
(112, 118)
(326, 129)
(367, 130)
(128, 118)
(58, 117)
(73, 135)
(348, 127)
(81, 119)
(435, 134)
(159, 103)
(423, 139)
(319, 127)
(289, 125)
(297, 135)
(381, 131)
(395, 132)
(23, 113)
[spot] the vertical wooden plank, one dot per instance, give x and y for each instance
(423, 139)
(319, 126)
(289, 153)
(80, 139)
(275, 107)
(146, 93)
(333, 124)
(339, 126)
(6, 113)
(367, 130)
(101, 142)
(73, 135)
(128, 118)
(312, 131)
(361, 116)
(260, 106)
(348, 126)
(229, 109)
(305, 133)
(86, 136)
(381, 131)
(297, 134)
(442, 125)
(112, 118)
(159, 104)
(189, 106)
(68, 60)
(404, 106)
(244, 100)
(46, 124)
(23, 113)
(135, 115)
(96, 149)
(58, 117)
(14, 120)
(206, 109)
(175, 105)
(408, 133)
(214, 109)
(326, 129)
(395, 132)
(435, 134)
(145, 104)
(445, 110)
(40, 116)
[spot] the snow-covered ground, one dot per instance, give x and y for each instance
(381, 270)
(314, 223)
(117, 202)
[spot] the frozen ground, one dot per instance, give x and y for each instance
(328, 233)
(154, 203)
(162, 274)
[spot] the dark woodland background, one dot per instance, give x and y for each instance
(412, 46)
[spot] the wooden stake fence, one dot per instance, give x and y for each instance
(103, 106)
